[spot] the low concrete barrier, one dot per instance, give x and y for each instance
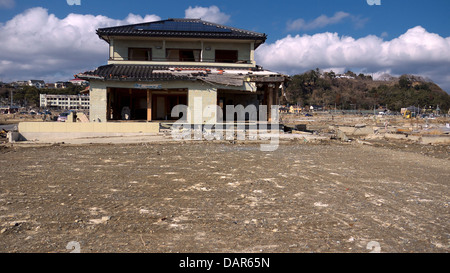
(435, 140)
(43, 131)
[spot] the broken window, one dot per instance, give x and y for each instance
(183, 55)
(226, 56)
(139, 54)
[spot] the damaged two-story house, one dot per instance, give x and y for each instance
(155, 66)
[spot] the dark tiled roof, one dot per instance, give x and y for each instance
(148, 73)
(131, 72)
(185, 28)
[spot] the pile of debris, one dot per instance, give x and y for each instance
(362, 132)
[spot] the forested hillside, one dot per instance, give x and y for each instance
(351, 91)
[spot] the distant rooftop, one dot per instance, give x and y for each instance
(182, 28)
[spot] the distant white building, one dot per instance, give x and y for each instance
(79, 82)
(37, 83)
(70, 102)
(59, 85)
(344, 77)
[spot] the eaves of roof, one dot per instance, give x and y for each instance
(182, 28)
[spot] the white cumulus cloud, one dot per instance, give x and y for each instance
(209, 14)
(324, 20)
(36, 44)
(415, 52)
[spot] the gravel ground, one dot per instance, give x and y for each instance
(224, 197)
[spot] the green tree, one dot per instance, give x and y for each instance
(31, 95)
(404, 82)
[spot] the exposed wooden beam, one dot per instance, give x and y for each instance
(149, 105)
(270, 102)
(108, 106)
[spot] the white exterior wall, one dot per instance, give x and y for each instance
(119, 50)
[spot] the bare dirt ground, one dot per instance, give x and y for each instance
(224, 197)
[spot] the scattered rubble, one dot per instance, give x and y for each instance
(333, 185)
(347, 128)
(329, 196)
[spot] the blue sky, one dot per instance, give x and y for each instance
(413, 34)
(392, 17)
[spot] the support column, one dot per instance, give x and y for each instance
(275, 93)
(98, 102)
(199, 99)
(149, 105)
(131, 99)
(270, 101)
(108, 105)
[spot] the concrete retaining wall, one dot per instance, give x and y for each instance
(43, 131)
